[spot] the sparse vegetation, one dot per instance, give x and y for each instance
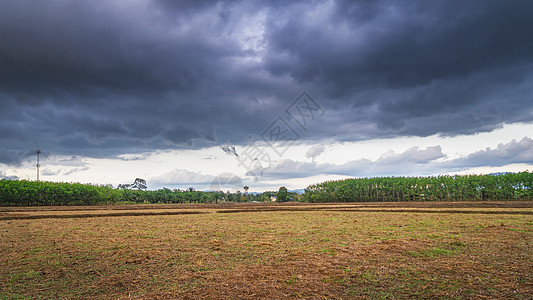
(288, 250)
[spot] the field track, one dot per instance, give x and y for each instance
(51, 212)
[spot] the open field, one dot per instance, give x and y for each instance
(315, 251)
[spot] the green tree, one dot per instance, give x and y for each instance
(139, 184)
(282, 194)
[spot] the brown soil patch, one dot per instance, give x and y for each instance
(47, 212)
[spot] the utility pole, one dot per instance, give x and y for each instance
(38, 153)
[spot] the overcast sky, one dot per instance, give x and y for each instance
(180, 92)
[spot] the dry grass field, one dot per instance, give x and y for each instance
(251, 251)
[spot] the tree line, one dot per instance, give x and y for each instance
(31, 193)
(502, 186)
(505, 186)
(42, 193)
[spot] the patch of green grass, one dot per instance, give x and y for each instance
(148, 236)
(199, 269)
(293, 279)
(517, 230)
(328, 251)
(82, 245)
(25, 276)
(11, 296)
(35, 250)
(431, 252)
(368, 293)
(443, 249)
(191, 285)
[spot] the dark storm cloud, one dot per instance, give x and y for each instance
(412, 67)
(108, 77)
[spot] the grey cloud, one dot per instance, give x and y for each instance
(412, 155)
(133, 157)
(102, 78)
(226, 181)
(74, 170)
(503, 154)
(413, 159)
(400, 44)
(412, 162)
(129, 79)
(315, 151)
(181, 178)
(5, 177)
(62, 171)
(411, 68)
(48, 172)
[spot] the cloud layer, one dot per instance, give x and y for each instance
(105, 78)
(412, 162)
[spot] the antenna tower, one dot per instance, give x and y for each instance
(38, 165)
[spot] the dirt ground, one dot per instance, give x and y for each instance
(43, 212)
(284, 250)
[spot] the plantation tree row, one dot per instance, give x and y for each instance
(508, 186)
(38, 193)
(29, 193)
